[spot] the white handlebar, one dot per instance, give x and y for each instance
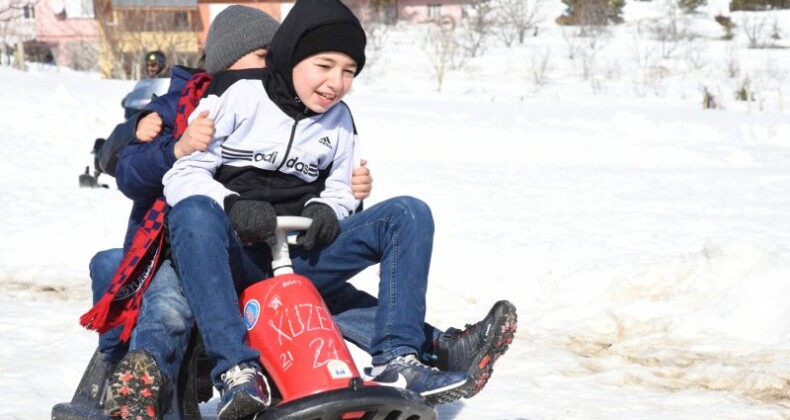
(281, 259)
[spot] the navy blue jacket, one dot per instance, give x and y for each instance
(139, 167)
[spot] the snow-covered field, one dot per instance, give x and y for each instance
(645, 241)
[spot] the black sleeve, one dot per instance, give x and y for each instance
(123, 134)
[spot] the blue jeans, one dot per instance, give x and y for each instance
(163, 325)
(164, 312)
(102, 268)
(397, 233)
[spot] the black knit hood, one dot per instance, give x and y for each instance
(305, 16)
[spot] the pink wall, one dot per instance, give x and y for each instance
(70, 24)
(418, 10)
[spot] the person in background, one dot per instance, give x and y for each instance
(154, 83)
(156, 64)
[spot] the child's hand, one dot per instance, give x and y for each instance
(361, 181)
(197, 136)
(148, 127)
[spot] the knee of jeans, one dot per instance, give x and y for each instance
(416, 211)
(172, 311)
(195, 207)
(194, 214)
(102, 267)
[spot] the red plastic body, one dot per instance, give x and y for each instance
(301, 346)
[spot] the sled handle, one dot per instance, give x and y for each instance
(281, 259)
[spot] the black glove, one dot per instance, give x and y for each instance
(323, 230)
(254, 221)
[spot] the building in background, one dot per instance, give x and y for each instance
(129, 28)
(46, 30)
(422, 11)
(68, 28)
(111, 36)
(415, 11)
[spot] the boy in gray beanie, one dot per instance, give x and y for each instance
(236, 39)
(234, 33)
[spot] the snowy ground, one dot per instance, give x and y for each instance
(644, 240)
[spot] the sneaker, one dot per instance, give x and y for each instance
(436, 386)
(245, 392)
(137, 390)
(477, 347)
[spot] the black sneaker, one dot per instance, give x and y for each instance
(477, 347)
(409, 373)
(245, 392)
(137, 390)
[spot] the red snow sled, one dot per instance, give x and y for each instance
(306, 359)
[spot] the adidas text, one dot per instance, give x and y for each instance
(269, 157)
(307, 169)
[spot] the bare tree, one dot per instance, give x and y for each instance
(477, 26)
(590, 54)
(708, 99)
(438, 43)
(13, 10)
(377, 17)
(754, 27)
(539, 67)
(732, 62)
(12, 28)
(672, 32)
(378, 34)
(9, 12)
(643, 50)
(517, 17)
(767, 81)
(694, 54)
(573, 42)
(83, 56)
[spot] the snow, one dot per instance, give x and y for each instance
(644, 240)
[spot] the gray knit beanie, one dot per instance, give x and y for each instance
(234, 33)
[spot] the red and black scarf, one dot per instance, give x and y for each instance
(120, 304)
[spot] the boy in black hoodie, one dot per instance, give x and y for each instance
(283, 145)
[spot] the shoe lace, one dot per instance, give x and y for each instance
(239, 375)
(412, 360)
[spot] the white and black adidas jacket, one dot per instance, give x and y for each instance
(260, 153)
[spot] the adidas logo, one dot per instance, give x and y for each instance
(229, 153)
(325, 141)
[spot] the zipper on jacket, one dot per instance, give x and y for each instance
(290, 143)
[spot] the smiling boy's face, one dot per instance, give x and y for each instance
(322, 80)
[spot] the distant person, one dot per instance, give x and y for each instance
(156, 64)
(155, 83)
